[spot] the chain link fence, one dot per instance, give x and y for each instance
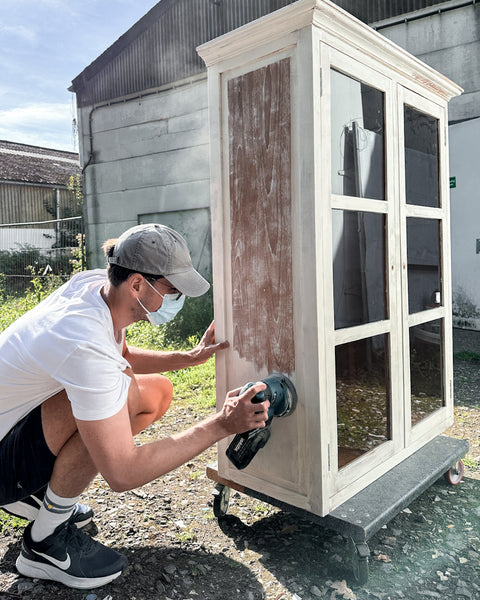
(40, 249)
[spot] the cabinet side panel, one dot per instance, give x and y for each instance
(259, 124)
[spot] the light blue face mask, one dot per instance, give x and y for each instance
(171, 305)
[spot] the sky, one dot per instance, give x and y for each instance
(44, 45)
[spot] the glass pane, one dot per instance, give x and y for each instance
(359, 282)
(358, 156)
(421, 158)
(426, 369)
(423, 252)
(363, 396)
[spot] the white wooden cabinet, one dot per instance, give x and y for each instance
(331, 248)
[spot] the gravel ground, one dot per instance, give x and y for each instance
(178, 550)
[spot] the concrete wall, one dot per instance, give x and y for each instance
(449, 42)
(150, 156)
(465, 203)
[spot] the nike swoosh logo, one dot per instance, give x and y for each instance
(61, 564)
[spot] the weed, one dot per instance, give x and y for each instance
(185, 536)
(9, 524)
(471, 463)
(261, 509)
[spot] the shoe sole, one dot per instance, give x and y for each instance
(34, 569)
(21, 510)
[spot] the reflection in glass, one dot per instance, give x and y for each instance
(359, 254)
(363, 396)
(423, 252)
(426, 369)
(357, 118)
(421, 158)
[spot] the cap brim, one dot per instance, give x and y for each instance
(190, 283)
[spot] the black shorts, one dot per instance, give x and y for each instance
(26, 462)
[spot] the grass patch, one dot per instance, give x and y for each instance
(194, 386)
(471, 463)
(13, 307)
(10, 524)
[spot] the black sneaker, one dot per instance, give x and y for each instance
(71, 557)
(28, 508)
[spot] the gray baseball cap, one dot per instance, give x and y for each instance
(156, 249)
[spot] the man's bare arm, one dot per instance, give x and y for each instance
(155, 361)
(125, 466)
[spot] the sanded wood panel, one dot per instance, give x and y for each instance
(259, 122)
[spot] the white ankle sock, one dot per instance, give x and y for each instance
(54, 510)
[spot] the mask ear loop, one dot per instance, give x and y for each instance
(153, 288)
(142, 305)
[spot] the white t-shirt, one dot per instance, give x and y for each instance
(65, 342)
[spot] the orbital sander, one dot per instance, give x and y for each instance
(281, 393)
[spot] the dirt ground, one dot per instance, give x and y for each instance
(178, 550)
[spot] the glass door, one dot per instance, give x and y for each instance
(364, 277)
(389, 384)
(425, 251)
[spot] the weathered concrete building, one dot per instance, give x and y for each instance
(142, 112)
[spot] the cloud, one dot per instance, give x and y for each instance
(42, 124)
(18, 31)
(35, 114)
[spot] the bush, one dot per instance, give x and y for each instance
(194, 318)
(189, 325)
(18, 265)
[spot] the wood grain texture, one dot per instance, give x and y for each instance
(259, 123)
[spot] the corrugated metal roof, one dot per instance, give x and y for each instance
(160, 48)
(33, 164)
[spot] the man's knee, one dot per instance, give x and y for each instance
(150, 397)
(156, 392)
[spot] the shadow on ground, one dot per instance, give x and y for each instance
(430, 550)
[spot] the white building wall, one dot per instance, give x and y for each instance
(150, 156)
(16, 238)
(465, 223)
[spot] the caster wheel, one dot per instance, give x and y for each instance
(455, 474)
(221, 499)
(359, 554)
